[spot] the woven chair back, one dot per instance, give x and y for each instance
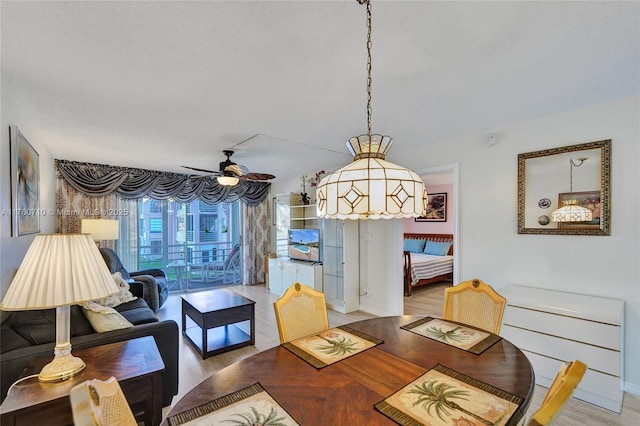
(474, 303)
(300, 311)
(101, 403)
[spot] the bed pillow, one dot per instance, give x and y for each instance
(437, 248)
(103, 318)
(123, 296)
(414, 245)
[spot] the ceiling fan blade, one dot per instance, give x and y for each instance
(201, 170)
(259, 176)
(235, 169)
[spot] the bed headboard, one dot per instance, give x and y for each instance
(438, 238)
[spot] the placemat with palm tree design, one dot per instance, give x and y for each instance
(330, 346)
(466, 337)
(443, 396)
(252, 405)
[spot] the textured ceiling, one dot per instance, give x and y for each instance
(163, 84)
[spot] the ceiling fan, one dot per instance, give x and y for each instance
(230, 173)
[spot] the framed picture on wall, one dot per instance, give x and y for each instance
(25, 185)
(436, 208)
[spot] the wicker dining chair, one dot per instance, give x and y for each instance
(100, 403)
(475, 303)
(560, 391)
(300, 311)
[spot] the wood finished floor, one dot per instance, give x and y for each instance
(424, 301)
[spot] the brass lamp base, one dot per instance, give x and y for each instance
(64, 366)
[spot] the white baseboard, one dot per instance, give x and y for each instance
(632, 388)
(375, 312)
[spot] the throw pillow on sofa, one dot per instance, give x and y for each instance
(104, 318)
(123, 296)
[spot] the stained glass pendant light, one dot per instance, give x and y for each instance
(571, 211)
(371, 187)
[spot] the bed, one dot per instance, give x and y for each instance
(422, 269)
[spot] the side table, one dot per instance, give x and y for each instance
(136, 364)
(216, 314)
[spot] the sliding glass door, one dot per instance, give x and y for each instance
(192, 242)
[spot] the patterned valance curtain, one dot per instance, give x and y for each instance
(99, 180)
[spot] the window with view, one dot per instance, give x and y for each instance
(189, 241)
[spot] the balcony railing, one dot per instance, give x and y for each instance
(177, 259)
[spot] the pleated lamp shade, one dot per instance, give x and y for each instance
(58, 270)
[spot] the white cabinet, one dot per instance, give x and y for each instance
(340, 251)
(338, 276)
(552, 327)
(284, 272)
(292, 213)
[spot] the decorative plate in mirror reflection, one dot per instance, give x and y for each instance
(543, 220)
(544, 203)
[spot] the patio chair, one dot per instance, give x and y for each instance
(198, 268)
(229, 270)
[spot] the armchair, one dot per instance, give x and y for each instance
(150, 284)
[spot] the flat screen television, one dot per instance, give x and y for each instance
(304, 244)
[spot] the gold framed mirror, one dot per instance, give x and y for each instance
(570, 175)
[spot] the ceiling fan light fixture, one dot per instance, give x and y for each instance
(228, 180)
(230, 173)
(370, 187)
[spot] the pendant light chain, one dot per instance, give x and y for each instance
(368, 3)
(572, 164)
(369, 81)
(571, 176)
(370, 187)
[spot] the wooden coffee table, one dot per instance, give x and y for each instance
(218, 316)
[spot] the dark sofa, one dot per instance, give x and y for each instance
(27, 335)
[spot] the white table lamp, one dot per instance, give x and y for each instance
(59, 270)
(100, 229)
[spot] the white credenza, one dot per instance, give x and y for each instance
(552, 327)
(284, 272)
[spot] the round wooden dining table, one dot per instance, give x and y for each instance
(344, 393)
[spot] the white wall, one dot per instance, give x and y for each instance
(12, 249)
(381, 266)
(489, 245)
